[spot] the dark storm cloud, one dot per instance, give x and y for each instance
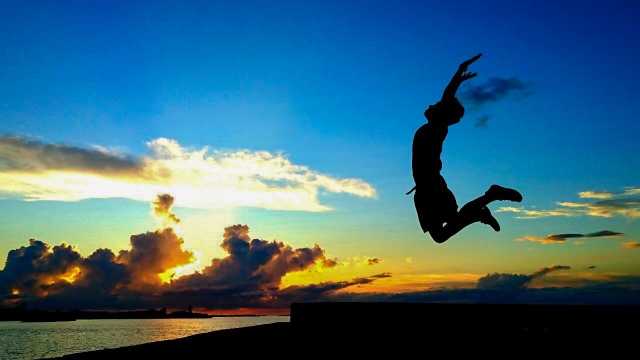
(101, 271)
(29, 268)
(25, 155)
(514, 281)
(495, 89)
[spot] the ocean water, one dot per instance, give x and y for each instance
(42, 340)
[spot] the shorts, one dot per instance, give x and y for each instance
(435, 203)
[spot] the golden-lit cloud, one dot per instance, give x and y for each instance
(534, 214)
(161, 210)
(631, 245)
(559, 238)
(198, 178)
(596, 195)
(152, 270)
(607, 204)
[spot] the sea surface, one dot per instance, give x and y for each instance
(42, 340)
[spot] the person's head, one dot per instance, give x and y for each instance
(447, 112)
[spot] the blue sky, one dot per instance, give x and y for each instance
(330, 89)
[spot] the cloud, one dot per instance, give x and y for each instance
(591, 267)
(607, 204)
(534, 214)
(198, 178)
(153, 254)
(161, 210)
(253, 262)
(596, 195)
(631, 245)
(495, 89)
(145, 275)
(250, 277)
(373, 261)
(559, 238)
(482, 122)
(515, 281)
(18, 155)
(31, 269)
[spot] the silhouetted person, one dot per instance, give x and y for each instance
(435, 204)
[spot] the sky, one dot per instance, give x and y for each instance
(240, 156)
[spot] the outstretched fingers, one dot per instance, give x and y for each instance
(467, 76)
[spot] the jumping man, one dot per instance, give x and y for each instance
(435, 204)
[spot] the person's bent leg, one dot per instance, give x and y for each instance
(495, 193)
(443, 233)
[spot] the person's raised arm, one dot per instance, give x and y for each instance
(459, 77)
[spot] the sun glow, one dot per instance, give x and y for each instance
(70, 276)
(183, 270)
(15, 292)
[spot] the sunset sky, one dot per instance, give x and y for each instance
(247, 154)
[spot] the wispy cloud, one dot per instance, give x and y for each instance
(607, 204)
(596, 195)
(373, 261)
(631, 245)
(495, 89)
(534, 214)
(482, 122)
(560, 238)
(198, 178)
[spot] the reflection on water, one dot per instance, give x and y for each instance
(51, 339)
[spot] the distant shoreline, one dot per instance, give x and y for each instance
(48, 316)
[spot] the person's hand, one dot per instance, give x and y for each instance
(466, 64)
(467, 76)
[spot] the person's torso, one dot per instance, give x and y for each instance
(426, 151)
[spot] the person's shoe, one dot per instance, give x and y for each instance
(497, 192)
(487, 218)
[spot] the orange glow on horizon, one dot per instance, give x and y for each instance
(15, 292)
(247, 311)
